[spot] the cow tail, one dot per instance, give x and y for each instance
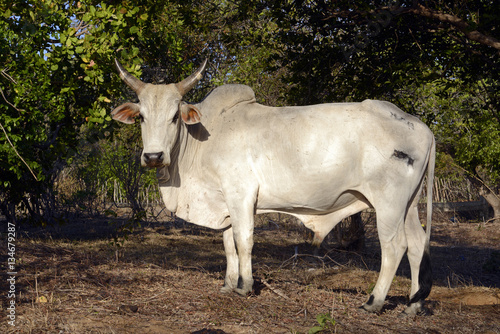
(425, 270)
(430, 180)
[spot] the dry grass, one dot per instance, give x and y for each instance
(166, 279)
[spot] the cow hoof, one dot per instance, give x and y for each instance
(241, 292)
(226, 289)
(372, 306)
(414, 309)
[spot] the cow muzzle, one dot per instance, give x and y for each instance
(153, 159)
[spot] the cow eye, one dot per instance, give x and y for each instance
(176, 117)
(141, 118)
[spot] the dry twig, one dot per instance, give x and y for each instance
(276, 291)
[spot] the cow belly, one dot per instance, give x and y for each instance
(310, 174)
(317, 201)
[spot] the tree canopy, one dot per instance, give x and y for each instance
(57, 79)
(436, 59)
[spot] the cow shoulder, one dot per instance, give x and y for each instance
(226, 97)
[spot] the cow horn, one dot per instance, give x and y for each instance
(187, 84)
(129, 79)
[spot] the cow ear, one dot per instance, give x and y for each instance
(126, 113)
(189, 113)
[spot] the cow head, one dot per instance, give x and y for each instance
(160, 111)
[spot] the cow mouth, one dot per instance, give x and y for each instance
(155, 165)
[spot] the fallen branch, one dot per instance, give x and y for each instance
(492, 220)
(276, 291)
(320, 258)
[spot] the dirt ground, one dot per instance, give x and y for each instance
(166, 277)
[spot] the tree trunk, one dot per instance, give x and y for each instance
(351, 233)
(493, 199)
(9, 211)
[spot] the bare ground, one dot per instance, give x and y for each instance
(166, 279)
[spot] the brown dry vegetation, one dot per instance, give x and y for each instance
(166, 279)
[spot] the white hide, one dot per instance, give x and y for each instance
(320, 163)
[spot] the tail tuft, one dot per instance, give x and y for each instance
(424, 278)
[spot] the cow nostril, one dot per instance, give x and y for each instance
(153, 158)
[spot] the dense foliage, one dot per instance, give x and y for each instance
(436, 59)
(57, 83)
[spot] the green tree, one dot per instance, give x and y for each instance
(396, 50)
(437, 59)
(56, 66)
(58, 82)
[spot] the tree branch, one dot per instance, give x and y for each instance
(13, 147)
(7, 136)
(8, 77)
(421, 10)
(458, 23)
(10, 104)
(478, 178)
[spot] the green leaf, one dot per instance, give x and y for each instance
(315, 329)
(95, 120)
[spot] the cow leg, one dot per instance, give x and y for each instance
(243, 236)
(421, 276)
(241, 211)
(393, 245)
(232, 269)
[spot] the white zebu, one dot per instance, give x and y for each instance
(227, 158)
